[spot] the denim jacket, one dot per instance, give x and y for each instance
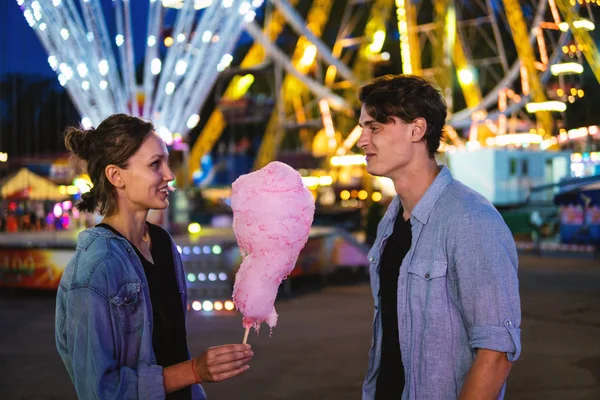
(457, 290)
(104, 321)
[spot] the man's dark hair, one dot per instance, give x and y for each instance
(114, 141)
(407, 97)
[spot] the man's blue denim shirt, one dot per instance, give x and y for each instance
(104, 320)
(458, 290)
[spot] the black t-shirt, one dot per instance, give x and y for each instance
(169, 338)
(390, 381)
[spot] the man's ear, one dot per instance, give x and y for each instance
(419, 129)
(114, 175)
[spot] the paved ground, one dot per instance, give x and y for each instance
(319, 349)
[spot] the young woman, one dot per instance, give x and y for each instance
(121, 304)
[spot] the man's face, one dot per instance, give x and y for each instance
(388, 147)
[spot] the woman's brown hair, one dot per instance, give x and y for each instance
(113, 142)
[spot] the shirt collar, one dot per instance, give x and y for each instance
(424, 207)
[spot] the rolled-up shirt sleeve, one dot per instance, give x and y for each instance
(486, 264)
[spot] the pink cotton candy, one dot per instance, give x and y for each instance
(272, 215)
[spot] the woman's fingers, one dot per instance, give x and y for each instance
(229, 357)
(228, 348)
(221, 368)
(231, 373)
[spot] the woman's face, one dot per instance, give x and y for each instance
(147, 176)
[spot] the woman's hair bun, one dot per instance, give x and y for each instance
(79, 141)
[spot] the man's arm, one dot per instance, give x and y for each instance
(486, 376)
(485, 261)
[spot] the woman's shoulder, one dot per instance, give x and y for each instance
(99, 240)
(99, 252)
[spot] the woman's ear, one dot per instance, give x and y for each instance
(114, 176)
(419, 129)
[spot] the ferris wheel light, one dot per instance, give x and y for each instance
(249, 17)
(557, 106)
(244, 8)
(310, 52)
(465, 76)
(155, 66)
(82, 70)
(53, 62)
(103, 67)
(86, 123)
(583, 24)
(180, 67)
(206, 36)
(29, 17)
(37, 10)
(566, 68)
(172, 4)
(377, 43)
(193, 121)
(169, 88)
(200, 4)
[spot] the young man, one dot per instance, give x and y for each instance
(443, 265)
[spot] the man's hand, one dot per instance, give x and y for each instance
(222, 362)
(486, 376)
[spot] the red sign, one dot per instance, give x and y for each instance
(37, 269)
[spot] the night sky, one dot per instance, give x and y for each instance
(16, 36)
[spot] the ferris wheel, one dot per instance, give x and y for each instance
(512, 58)
(90, 45)
(503, 65)
(517, 64)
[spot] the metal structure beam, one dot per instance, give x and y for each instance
(317, 17)
(516, 20)
(216, 123)
(583, 37)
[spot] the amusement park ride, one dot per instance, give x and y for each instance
(508, 69)
(504, 56)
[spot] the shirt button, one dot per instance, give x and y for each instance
(508, 323)
(427, 275)
(371, 259)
